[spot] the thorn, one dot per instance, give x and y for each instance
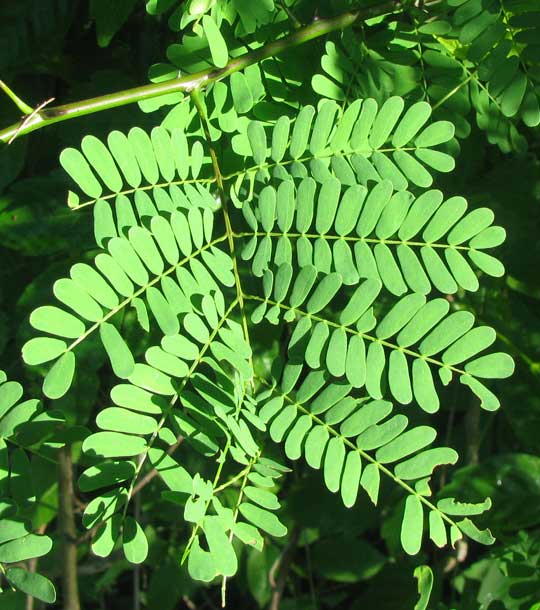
(29, 117)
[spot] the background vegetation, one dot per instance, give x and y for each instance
(477, 63)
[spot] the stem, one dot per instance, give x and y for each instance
(224, 203)
(235, 517)
(232, 481)
(66, 520)
(473, 432)
(217, 476)
(352, 238)
(188, 83)
(22, 106)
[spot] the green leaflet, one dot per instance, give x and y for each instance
(106, 537)
(263, 519)
(409, 442)
(11, 530)
(59, 378)
(56, 322)
(135, 398)
(422, 465)
(175, 476)
(412, 525)
(257, 140)
(113, 444)
(324, 292)
(451, 507)
(134, 541)
(201, 564)
(437, 529)
(105, 474)
(220, 547)
(88, 279)
(24, 548)
(32, 584)
(262, 497)
(163, 312)
(123, 420)
(79, 169)
(366, 417)
(424, 575)
(241, 93)
(216, 42)
(351, 479)
(119, 353)
(43, 349)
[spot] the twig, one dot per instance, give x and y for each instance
(149, 476)
(68, 531)
(281, 567)
(312, 591)
(189, 603)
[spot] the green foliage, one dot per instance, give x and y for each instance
(503, 54)
(507, 576)
(161, 256)
(22, 424)
(457, 55)
(292, 270)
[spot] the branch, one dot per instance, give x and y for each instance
(318, 28)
